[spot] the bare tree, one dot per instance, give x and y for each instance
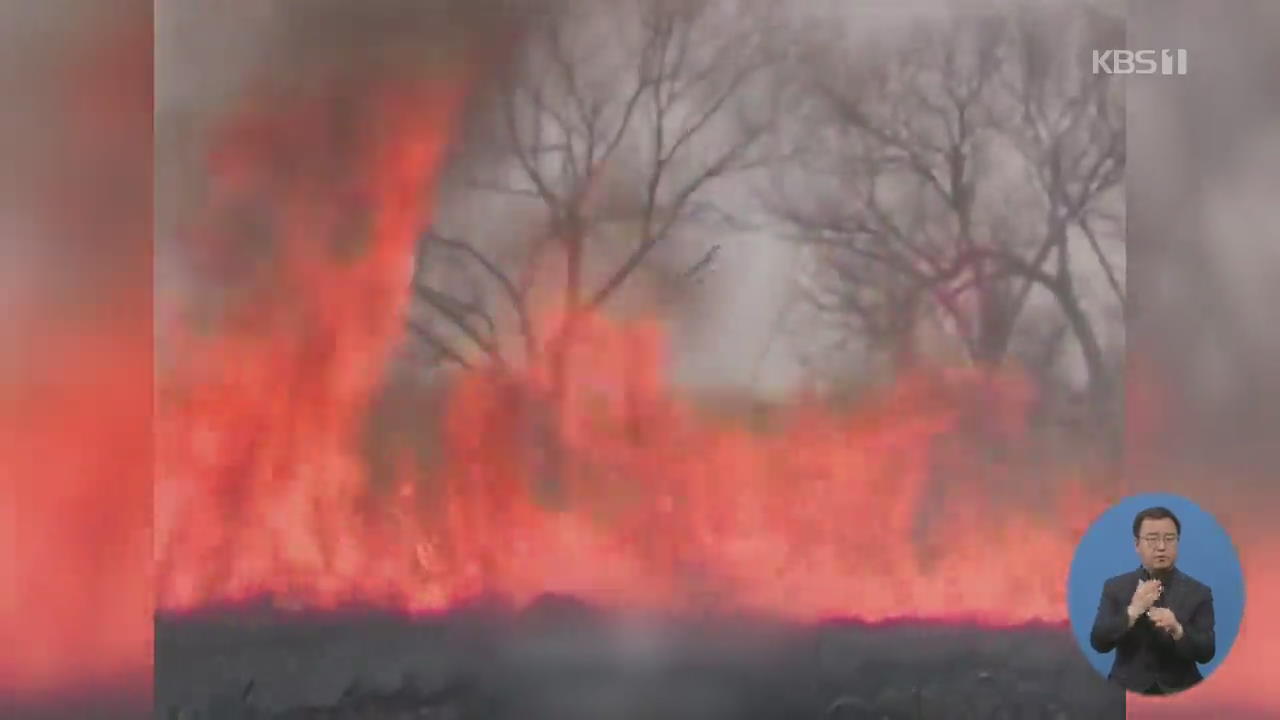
(953, 177)
(606, 138)
(606, 142)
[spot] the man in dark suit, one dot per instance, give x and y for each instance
(1158, 619)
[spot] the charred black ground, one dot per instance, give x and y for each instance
(563, 660)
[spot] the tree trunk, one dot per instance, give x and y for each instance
(565, 337)
(554, 483)
(1100, 387)
(904, 327)
(995, 327)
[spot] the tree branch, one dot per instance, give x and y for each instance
(445, 305)
(1112, 278)
(514, 296)
(528, 164)
(438, 344)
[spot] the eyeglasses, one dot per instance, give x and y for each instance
(1154, 540)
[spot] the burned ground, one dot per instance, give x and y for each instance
(564, 661)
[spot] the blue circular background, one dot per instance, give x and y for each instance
(1206, 553)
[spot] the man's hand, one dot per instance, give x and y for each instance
(1147, 592)
(1165, 620)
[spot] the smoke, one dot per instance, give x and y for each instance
(221, 61)
(1203, 236)
(1204, 231)
(207, 54)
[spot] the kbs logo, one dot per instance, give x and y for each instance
(1139, 62)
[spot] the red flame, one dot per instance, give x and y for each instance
(255, 476)
(618, 491)
(78, 596)
(75, 381)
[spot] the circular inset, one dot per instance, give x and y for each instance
(1156, 594)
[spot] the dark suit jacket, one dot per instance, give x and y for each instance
(1147, 658)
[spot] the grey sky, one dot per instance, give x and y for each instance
(741, 346)
(204, 55)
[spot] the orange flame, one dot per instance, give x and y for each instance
(619, 491)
